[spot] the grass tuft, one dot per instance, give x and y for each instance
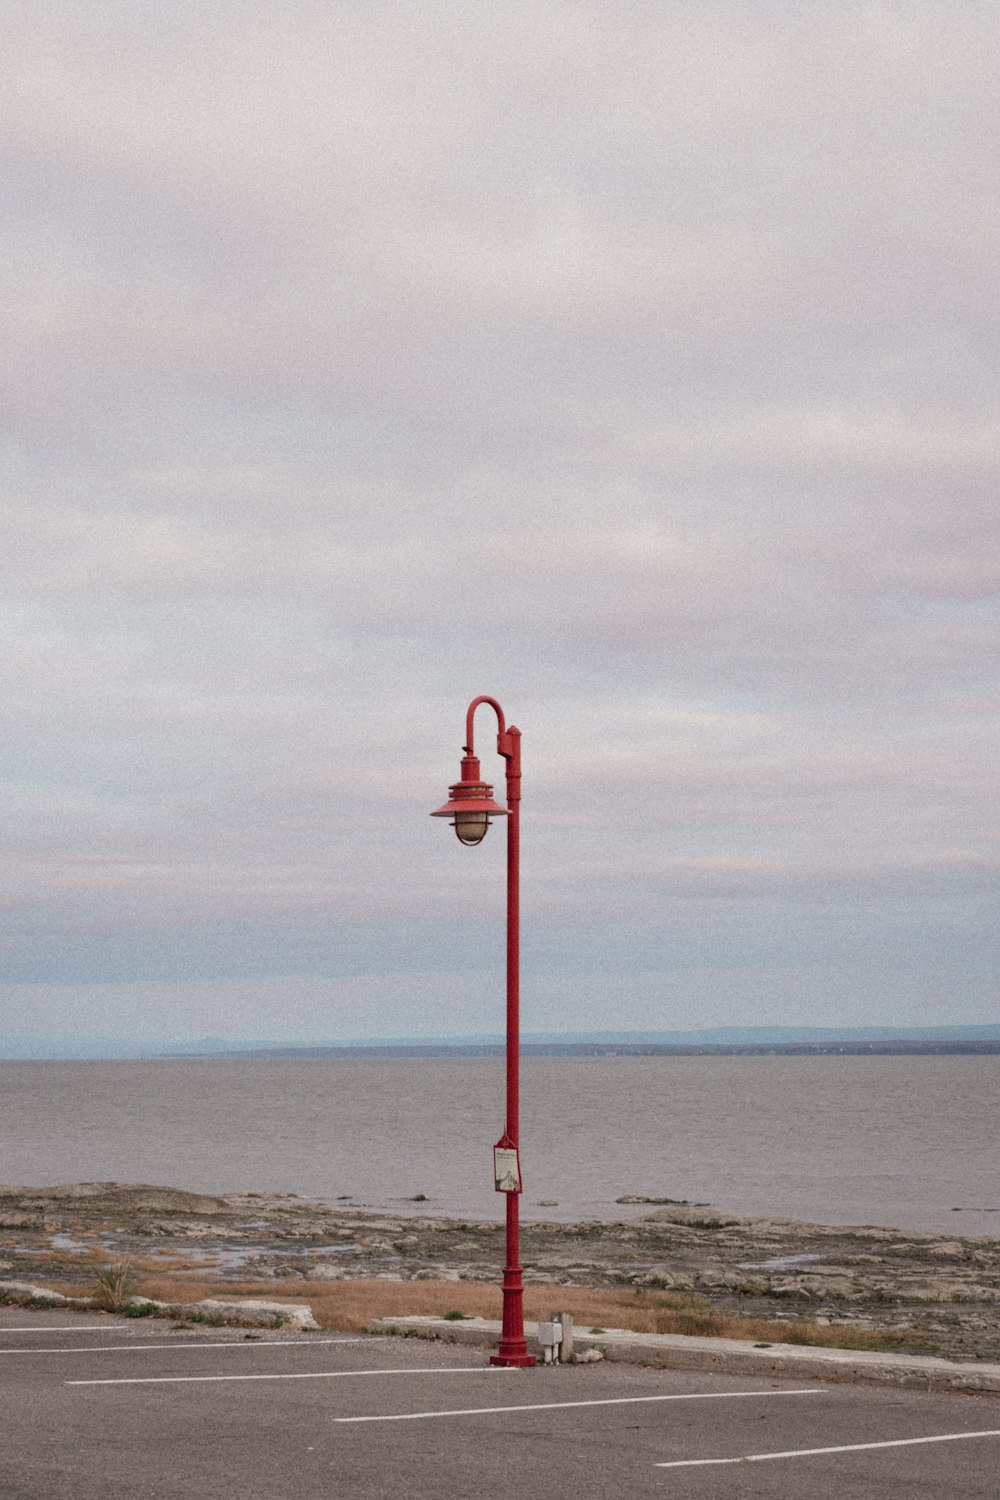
(114, 1284)
(140, 1309)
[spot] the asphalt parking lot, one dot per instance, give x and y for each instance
(99, 1408)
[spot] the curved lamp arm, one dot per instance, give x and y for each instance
(508, 744)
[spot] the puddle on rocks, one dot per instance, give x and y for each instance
(350, 1249)
(72, 1244)
(776, 1262)
(78, 1247)
(224, 1258)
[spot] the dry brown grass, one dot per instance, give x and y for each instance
(349, 1306)
(44, 1251)
(162, 1265)
(85, 1260)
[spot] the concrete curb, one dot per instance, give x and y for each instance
(237, 1312)
(671, 1351)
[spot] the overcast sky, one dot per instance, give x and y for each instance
(635, 364)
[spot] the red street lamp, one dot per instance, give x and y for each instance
(471, 808)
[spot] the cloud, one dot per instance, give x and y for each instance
(637, 370)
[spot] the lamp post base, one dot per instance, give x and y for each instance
(513, 1348)
(523, 1361)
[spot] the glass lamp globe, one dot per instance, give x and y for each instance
(471, 827)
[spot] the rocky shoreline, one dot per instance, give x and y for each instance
(942, 1294)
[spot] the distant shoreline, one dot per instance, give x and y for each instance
(982, 1039)
(887, 1048)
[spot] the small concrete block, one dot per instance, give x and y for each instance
(248, 1312)
(565, 1321)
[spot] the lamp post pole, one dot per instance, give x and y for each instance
(471, 807)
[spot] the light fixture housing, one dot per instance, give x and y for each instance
(470, 804)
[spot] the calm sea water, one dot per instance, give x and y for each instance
(900, 1141)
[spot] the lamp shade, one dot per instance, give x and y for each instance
(470, 804)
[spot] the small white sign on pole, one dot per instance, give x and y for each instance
(506, 1169)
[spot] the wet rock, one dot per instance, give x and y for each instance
(560, 1263)
(658, 1278)
(123, 1198)
(641, 1198)
(697, 1218)
(191, 1229)
(793, 1286)
(830, 1286)
(715, 1279)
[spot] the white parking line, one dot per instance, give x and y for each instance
(61, 1328)
(309, 1375)
(186, 1344)
(479, 1411)
(756, 1458)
